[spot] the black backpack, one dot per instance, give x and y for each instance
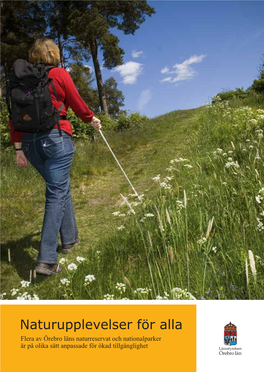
(32, 109)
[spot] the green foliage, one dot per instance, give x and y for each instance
(114, 97)
(199, 225)
(21, 23)
(91, 23)
(223, 123)
(121, 124)
(131, 121)
(107, 122)
(79, 128)
(4, 126)
(230, 94)
(258, 85)
(82, 78)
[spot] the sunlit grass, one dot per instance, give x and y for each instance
(198, 232)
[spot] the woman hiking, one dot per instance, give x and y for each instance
(51, 153)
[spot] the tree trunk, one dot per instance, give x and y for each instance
(59, 36)
(100, 85)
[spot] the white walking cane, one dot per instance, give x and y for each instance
(119, 164)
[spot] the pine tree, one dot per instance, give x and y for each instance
(21, 23)
(83, 79)
(115, 98)
(91, 22)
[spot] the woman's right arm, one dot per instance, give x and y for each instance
(74, 100)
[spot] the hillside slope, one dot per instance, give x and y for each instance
(96, 186)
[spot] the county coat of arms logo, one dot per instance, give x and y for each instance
(230, 334)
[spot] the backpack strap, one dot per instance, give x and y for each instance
(57, 98)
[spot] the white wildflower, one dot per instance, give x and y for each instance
(142, 290)
(121, 287)
(72, 267)
(168, 178)
(89, 279)
(80, 259)
(188, 166)
(24, 296)
(260, 225)
(108, 297)
(121, 227)
(170, 169)
(165, 185)
(202, 240)
(135, 204)
(149, 215)
(62, 261)
(232, 164)
(157, 178)
(65, 282)
(24, 284)
(214, 249)
(14, 291)
(181, 294)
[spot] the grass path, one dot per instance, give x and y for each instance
(142, 154)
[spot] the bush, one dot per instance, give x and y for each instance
(4, 125)
(107, 122)
(230, 94)
(131, 121)
(258, 85)
(79, 128)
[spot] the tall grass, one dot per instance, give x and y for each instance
(199, 227)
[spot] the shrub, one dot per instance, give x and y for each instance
(258, 85)
(230, 94)
(79, 128)
(107, 122)
(4, 126)
(131, 121)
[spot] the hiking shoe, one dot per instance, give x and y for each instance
(67, 248)
(48, 269)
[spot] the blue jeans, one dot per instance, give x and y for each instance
(52, 156)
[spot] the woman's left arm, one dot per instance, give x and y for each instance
(21, 160)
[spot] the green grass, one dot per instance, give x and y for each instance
(203, 224)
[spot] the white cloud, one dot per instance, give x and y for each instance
(130, 71)
(165, 70)
(183, 70)
(144, 98)
(90, 67)
(166, 79)
(136, 54)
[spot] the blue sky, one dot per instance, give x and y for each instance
(200, 48)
